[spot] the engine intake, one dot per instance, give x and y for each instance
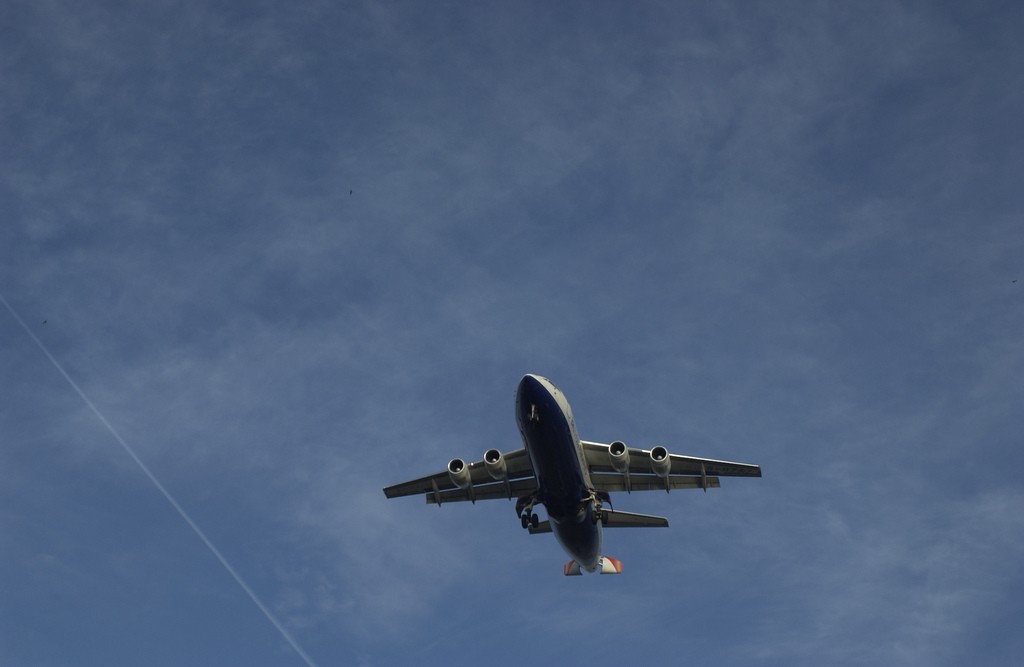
(661, 464)
(458, 472)
(618, 454)
(494, 462)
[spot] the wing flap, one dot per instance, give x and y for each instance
(492, 491)
(691, 465)
(617, 482)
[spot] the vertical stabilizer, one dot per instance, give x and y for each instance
(610, 565)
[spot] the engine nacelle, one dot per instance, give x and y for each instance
(458, 472)
(618, 455)
(661, 464)
(494, 462)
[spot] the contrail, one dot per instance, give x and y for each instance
(160, 487)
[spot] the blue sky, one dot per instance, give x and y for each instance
(295, 252)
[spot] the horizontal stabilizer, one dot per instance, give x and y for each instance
(542, 527)
(613, 519)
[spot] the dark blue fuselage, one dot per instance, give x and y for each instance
(549, 435)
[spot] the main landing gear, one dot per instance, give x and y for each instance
(524, 508)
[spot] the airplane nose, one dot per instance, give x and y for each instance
(528, 395)
(528, 385)
(529, 389)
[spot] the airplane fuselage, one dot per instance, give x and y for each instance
(549, 435)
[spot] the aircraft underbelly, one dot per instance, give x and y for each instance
(553, 455)
(550, 442)
(580, 538)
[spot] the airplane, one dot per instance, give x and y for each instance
(572, 478)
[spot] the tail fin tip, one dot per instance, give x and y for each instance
(611, 565)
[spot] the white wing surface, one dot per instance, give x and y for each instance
(655, 469)
(479, 483)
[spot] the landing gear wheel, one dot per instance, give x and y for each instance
(526, 521)
(534, 520)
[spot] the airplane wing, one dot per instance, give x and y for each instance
(439, 488)
(636, 472)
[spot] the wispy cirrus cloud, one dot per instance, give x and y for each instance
(755, 233)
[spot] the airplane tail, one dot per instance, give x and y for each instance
(611, 565)
(608, 565)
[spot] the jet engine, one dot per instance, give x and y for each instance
(458, 472)
(618, 454)
(661, 464)
(494, 462)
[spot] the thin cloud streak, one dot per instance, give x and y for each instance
(160, 487)
(785, 237)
